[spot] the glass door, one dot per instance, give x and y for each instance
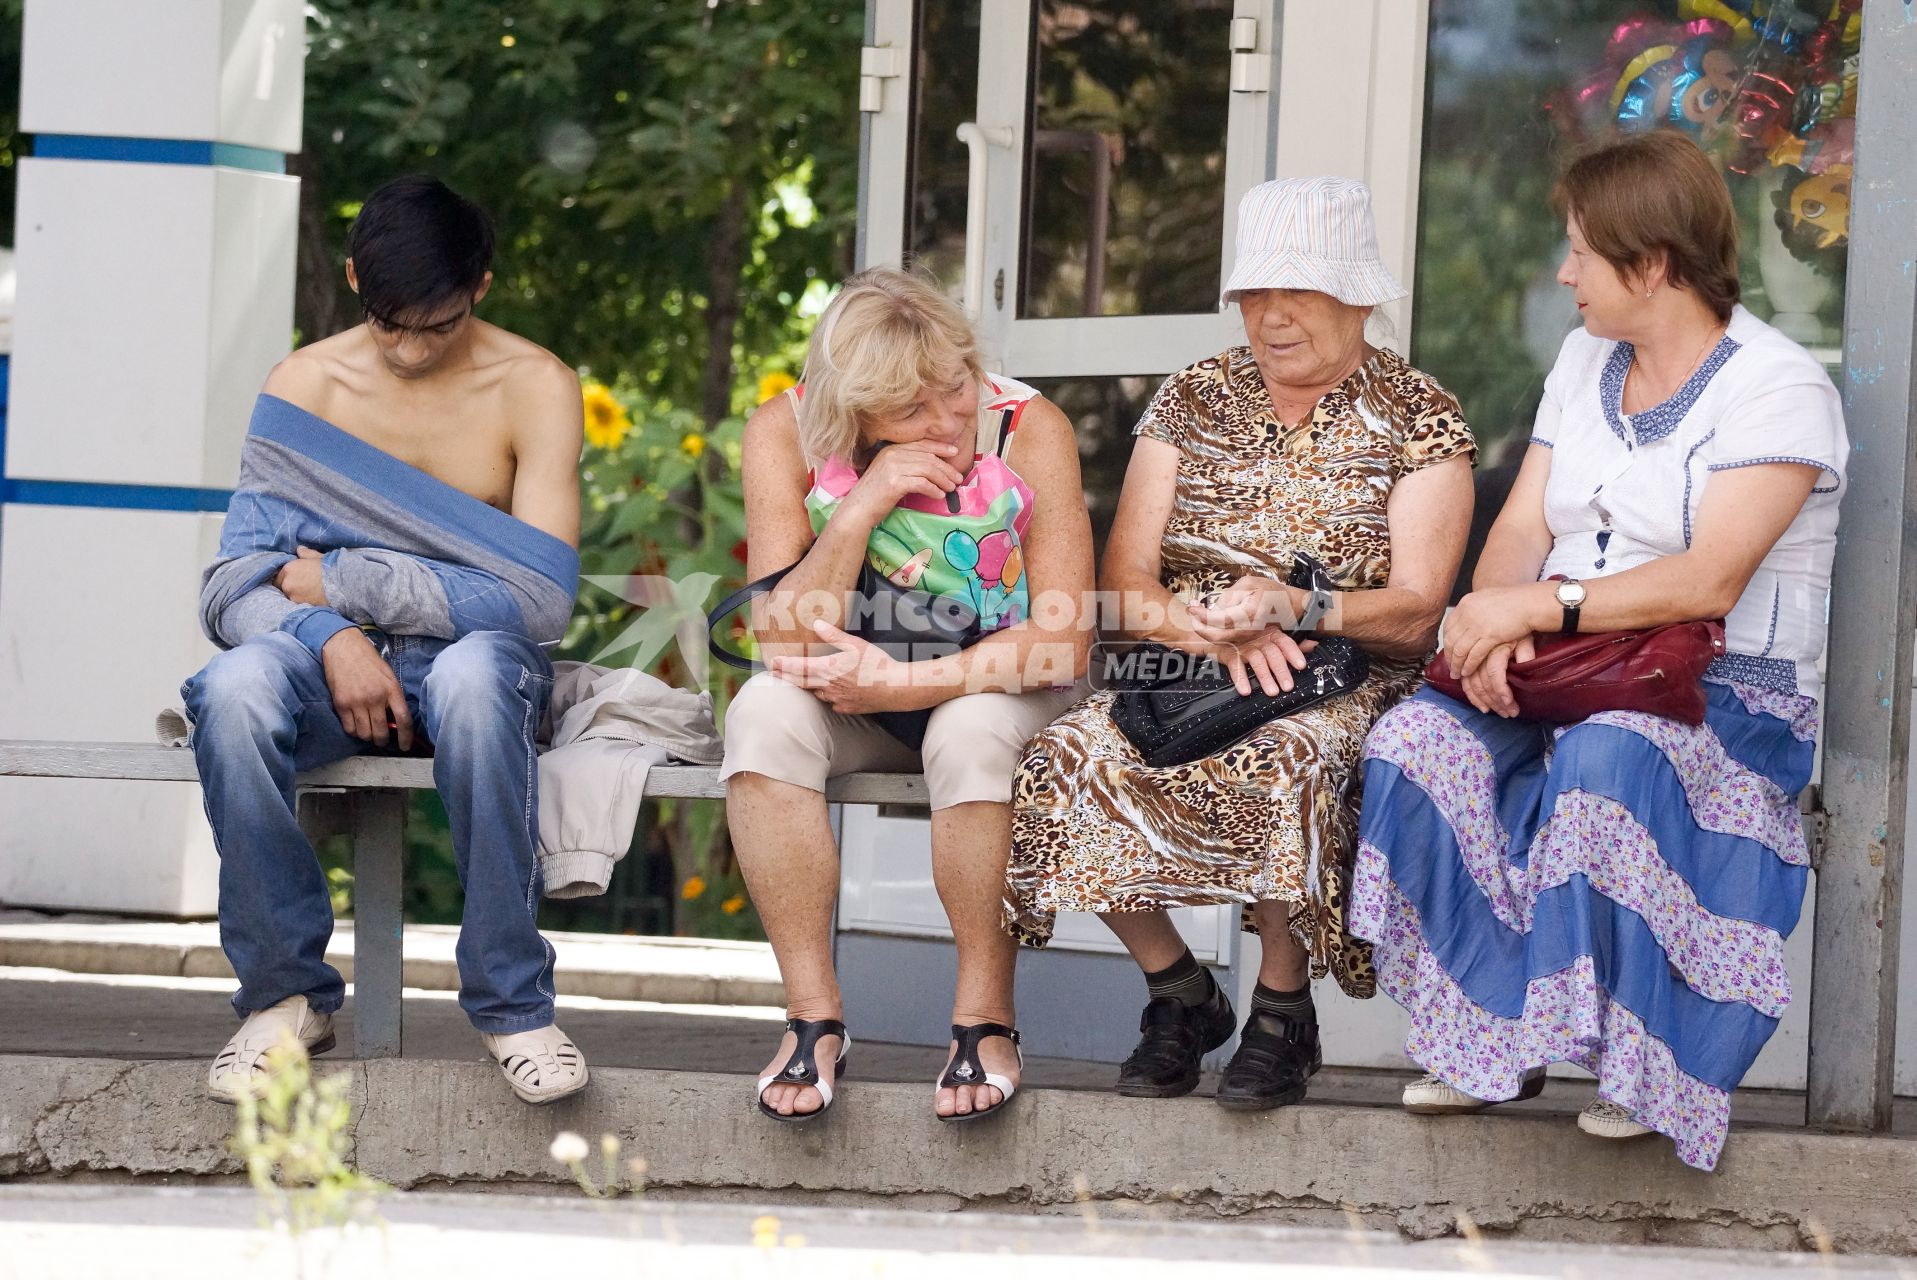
(1071, 171)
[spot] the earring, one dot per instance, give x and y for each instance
(1650, 291)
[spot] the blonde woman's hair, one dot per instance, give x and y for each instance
(888, 336)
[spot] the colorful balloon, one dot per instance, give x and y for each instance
(993, 549)
(961, 551)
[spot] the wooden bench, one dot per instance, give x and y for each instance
(365, 798)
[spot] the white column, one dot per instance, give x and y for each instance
(156, 237)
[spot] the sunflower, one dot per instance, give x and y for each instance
(694, 444)
(606, 420)
(695, 886)
(776, 383)
(734, 905)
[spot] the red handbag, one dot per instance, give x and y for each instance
(1658, 670)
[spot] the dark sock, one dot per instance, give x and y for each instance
(1184, 980)
(1295, 1005)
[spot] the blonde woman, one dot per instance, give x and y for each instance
(898, 451)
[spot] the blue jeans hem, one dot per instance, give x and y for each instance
(317, 1005)
(509, 1026)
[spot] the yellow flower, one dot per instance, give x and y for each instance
(606, 420)
(776, 383)
(695, 885)
(734, 905)
(694, 444)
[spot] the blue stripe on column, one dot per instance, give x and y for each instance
(74, 146)
(121, 497)
(83, 493)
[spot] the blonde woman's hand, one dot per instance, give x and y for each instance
(929, 470)
(856, 679)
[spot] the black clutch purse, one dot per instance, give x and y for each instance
(910, 625)
(1177, 708)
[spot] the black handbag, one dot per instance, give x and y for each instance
(1176, 707)
(910, 625)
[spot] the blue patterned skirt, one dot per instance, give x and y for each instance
(1614, 894)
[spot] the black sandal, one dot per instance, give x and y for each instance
(966, 1069)
(802, 1068)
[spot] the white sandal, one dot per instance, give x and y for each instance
(242, 1063)
(543, 1065)
(1606, 1119)
(1429, 1095)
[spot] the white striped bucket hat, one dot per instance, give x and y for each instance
(1310, 233)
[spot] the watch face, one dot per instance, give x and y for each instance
(1571, 594)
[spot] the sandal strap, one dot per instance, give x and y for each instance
(965, 1067)
(801, 1065)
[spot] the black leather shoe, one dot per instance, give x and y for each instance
(1275, 1057)
(1175, 1036)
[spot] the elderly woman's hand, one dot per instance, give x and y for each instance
(1247, 608)
(1486, 619)
(1488, 688)
(1267, 654)
(858, 679)
(1271, 656)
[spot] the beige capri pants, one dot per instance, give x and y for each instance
(972, 745)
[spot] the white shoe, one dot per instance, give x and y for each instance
(541, 1066)
(1429, 1095)
(243, 1062)
(1605, 1119)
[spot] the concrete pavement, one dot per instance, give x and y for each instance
(158, 1234)
(422, 1123)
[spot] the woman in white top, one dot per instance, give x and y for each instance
(1616, 893)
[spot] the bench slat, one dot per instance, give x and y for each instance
(151, 762)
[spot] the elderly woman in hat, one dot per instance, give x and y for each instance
(1307, 438)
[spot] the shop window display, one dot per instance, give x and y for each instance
(1768, 88)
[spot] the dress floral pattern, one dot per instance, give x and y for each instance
(1274, 817)
(1614, 894)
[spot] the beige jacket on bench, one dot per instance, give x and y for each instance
(609, 726)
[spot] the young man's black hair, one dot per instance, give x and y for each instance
(416, 246)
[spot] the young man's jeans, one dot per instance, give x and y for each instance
(262, 712)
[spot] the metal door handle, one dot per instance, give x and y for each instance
(977, 138)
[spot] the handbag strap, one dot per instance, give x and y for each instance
(731, 605)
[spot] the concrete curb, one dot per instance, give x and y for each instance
(436, 1123)
(660, 970)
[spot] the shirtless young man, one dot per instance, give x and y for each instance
(337, 642)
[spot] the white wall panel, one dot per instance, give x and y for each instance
(153, 299)
(206, 70)
(98, 629)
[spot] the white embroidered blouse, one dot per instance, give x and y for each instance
(1625, 489)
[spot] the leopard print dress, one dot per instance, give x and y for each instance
(1272, 818)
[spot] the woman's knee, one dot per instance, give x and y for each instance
(769, 718)
(974, 743)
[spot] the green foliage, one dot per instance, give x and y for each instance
(293, 1134)
(612, 143)
(12, 143)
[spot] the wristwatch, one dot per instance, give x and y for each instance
(1570, 594)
